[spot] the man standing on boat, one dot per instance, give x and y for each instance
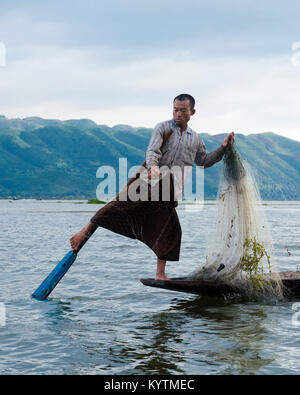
(156, 223)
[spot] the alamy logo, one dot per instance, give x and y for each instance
(2, 54)
(296, 315)
(2, 314)
(177, 183)
(296, 55)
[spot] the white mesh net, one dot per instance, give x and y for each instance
(240, 250)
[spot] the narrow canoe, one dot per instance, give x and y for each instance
(290, 280)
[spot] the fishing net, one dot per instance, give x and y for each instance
(240, 250)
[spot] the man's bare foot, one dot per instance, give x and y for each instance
(165, 278)
(79, 239)
(160, 270)
(76, 240)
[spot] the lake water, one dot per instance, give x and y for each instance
(101, 320)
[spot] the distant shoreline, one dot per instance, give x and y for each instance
(93, 200)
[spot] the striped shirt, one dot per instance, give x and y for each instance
(180, 149)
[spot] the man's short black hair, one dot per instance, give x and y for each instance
(185, 96)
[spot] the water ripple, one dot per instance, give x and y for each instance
(101, 320)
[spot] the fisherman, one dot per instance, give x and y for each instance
(156, 223)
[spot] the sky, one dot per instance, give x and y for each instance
(123, 62)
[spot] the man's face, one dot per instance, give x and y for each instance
(182, 112)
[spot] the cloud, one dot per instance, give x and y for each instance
(135, 28)
(241, 94)
(125, 64)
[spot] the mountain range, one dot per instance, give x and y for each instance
(46, 158)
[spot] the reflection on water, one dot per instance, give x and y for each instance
(237, 329)
(101, 320)
(163, 354)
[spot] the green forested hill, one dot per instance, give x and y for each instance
(52, 158)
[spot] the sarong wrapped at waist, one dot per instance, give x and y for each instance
(154, 223)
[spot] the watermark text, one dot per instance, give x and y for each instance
(182, 184)
(296, 315)
(2, 314)
(2, 54)
(296, 56)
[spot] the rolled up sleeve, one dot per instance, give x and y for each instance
(154, 153)
(208, 159)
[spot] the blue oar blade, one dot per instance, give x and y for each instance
(55, 276)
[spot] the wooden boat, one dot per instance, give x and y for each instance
(290, 280)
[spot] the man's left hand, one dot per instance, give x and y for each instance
(225, 142)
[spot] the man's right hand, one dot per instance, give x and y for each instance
(153, 172)
(225, 142)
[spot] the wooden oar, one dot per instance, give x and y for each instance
(50, 282)
(47, 286)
